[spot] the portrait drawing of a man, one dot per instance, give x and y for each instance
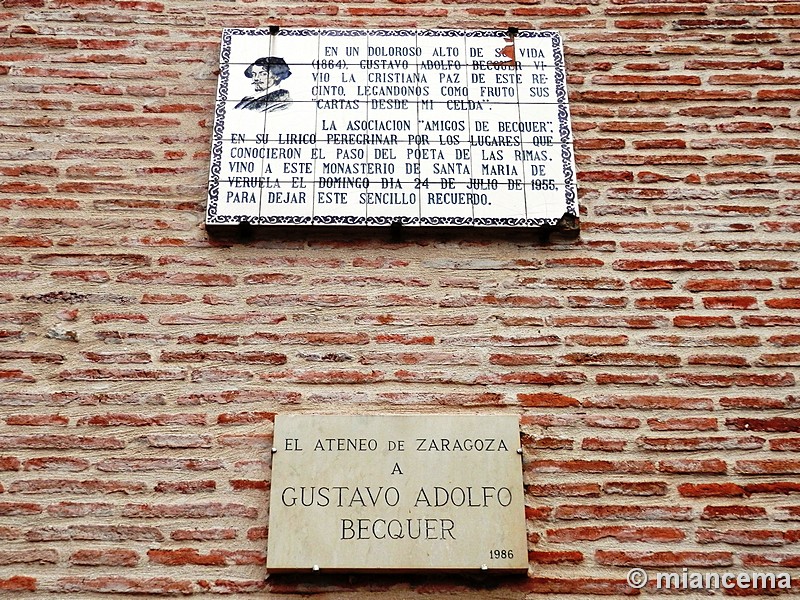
(267, 73)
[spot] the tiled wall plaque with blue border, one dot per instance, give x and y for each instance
(374, 127)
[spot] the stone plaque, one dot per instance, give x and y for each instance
(421, 492)
(375, 127)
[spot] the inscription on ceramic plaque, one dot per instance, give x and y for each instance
(373, 127)
(396, 492)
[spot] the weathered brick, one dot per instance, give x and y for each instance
(641, 488)
(705, 490)
(619, 512)
(590, 466)
(663, 559)
(691, 444)
(744, 537)
(723, 513)
(159, 586)
(113, 557)
(18, 583)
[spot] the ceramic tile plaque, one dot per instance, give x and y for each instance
(402, 493)
(374, 127)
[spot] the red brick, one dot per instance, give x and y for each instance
(185, 556)
(743, 537)
(646, 322)
(50, 441)
(620, 533)
(74, 486)
(711, 490)
(620, 359)
(216, 533)
(783, 303)
(611, 422)
(37, 420)
(545, 443)
(257, 533)
(9, 463)
(718, 359)
(18, 583)
(596, 302)
(643, 247)
(785, 444)
(597, 340)
(771, 559)
(80, 509)
(249, 484)
(672, 265)
(547, 399)
(663, 559)
(10, 557)
(191, 556)
(165, 299)
(683, 424)
(772, 424)
(789, 513)
(751, 402)
(772, 488)
(639, 24)
(556, 557)
(676, 444)
(254, 357)
(648, 402)
(724, 513)
(578, 283)
(122, 375)
(711, 466)
(719, 284)
(245, 418)
(603, 445)
(620, 379)
(730, 302)
(650, 283)
(185, 487)
(783, 359)
(56, 463)
(615, 512)
(16, 376)
(114, 557)
(767, 265)
(11, 509)
(189, 511)
(698, 321)
(117, 584)
(746, 380)
(200, 279)
(556, 490)
(767, 467)
(665, 303)
(769, 321)
(590, 466)
(641, 488)
(142, 420)
(790, 283)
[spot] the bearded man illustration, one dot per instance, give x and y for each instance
(266, 73)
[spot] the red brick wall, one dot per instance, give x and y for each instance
(653, 361)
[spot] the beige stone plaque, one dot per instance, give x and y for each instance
(397, 492)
